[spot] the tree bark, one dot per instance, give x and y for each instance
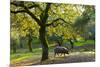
(43, 40)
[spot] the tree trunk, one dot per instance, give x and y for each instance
(21, 45)
(30, 43)
(14, 46)
(58, 43)
(42, 33)
(72, 44)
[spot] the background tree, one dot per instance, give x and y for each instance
(85, 24)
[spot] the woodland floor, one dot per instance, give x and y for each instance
(73, 57)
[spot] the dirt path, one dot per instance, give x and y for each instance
(71, 58)
(78, 57)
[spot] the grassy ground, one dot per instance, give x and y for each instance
(82, 51)
(81, 43)
(20, 56)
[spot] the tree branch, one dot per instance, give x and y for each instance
(35, 5)
(26, 10)
(33, 16)
(52, 23)
(44, 14)
(21, 4)
(20, 11)
(18, 3)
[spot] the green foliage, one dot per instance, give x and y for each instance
(81, 43)
(67, 12)
(88, 16)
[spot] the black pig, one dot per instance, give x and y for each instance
(60, 50)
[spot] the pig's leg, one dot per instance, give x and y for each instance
(54, 54)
